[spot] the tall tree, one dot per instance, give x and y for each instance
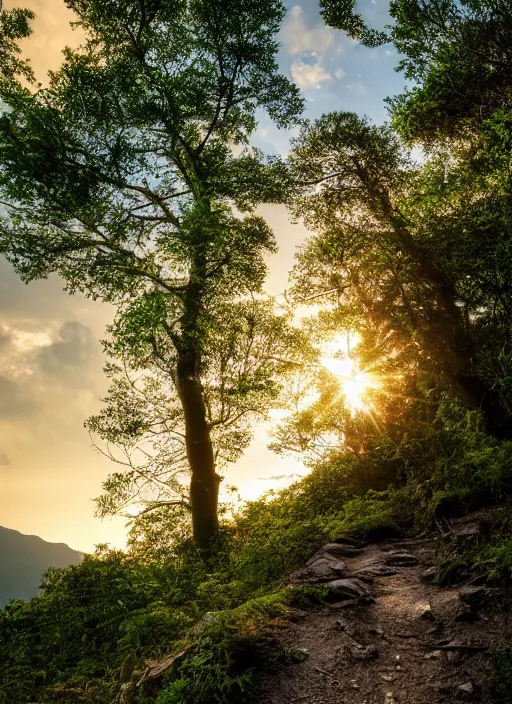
(129, 175)
(457, 53)
(359, 191)
(249, 351)
(459, 112)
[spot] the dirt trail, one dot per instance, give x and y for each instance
(415, 644)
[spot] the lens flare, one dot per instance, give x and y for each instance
(356, 383)
(356, 391)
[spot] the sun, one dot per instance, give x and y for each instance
(356, 389)
(356, 383)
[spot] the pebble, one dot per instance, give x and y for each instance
(425, 613)
(433, 655)
(466, 688)
(299, 655)
(377, 630)
(361, 652)
(430, 574)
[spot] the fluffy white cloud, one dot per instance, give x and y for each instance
(340, 73)
(308, 75)
(298, 38)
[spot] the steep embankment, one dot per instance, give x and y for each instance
(24, 558)
(404, 641)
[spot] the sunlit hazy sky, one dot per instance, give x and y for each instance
(50, 358)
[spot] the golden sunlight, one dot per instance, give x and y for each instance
(356, 383)
(356, 390)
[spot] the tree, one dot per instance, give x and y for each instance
(14, 25)
(131, 177)
(359, 192)
(457, 53)
(459, 112)
(249, 350)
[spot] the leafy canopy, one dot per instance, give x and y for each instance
(131, 176)
(251, 349)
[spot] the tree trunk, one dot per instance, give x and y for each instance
(204, 483)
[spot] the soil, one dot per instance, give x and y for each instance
(407, 647)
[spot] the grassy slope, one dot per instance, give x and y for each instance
(95, 625)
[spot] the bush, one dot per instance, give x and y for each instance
(95, 624)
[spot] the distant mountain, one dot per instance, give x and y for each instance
(24, 558)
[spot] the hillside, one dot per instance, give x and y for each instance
(168, 169)
(403, 638)
(24, 558)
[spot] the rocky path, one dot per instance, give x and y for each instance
(388, 637)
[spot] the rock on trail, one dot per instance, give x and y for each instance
(402, 640)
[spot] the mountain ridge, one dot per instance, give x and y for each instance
(24, 559)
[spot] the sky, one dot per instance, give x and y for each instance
(51, 359)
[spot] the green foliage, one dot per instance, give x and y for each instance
(341, 14)
(233, 648)
(95, 624)
(122, 176)
(502, 661)
(459, 87)
(14, 25)
(489, 558)
(456, 53)
(372, 517)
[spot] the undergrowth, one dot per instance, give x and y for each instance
(94, 625)
(502, 662)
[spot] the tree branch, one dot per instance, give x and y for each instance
(160, 504)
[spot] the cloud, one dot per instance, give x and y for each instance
(340, 73)
(14, 400)
(4, 460)
(308, 75)
(5, 340)
(357, 88)
(74, 347)
(298, 38)
(52, 32)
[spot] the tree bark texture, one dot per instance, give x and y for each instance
(204, 483)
